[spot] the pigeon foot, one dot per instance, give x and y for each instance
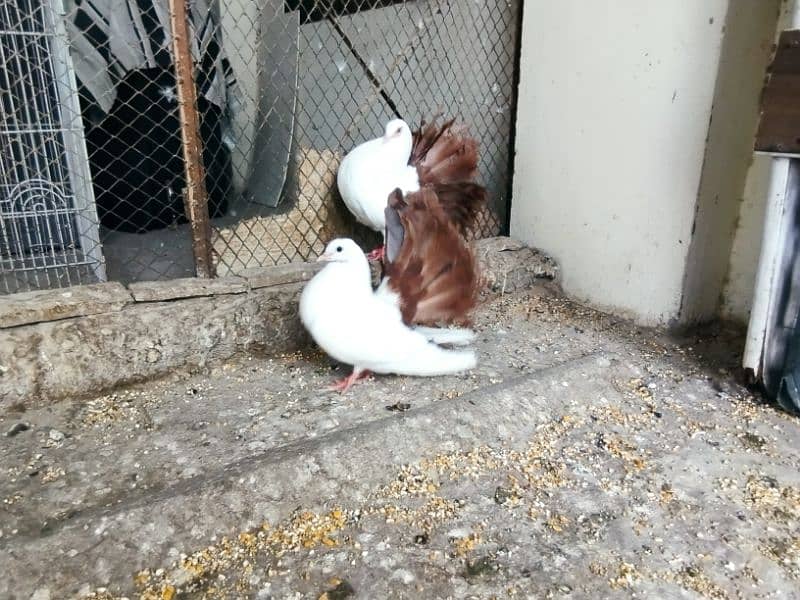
(377, 254)
(346, 383)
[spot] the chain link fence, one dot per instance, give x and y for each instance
(94, 125)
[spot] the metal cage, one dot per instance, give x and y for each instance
(278, 92)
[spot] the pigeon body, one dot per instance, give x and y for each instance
(437, 157)
(372, 170)
(363, 328)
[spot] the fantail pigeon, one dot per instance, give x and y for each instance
(437, 157)
(364, 328)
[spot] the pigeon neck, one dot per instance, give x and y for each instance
(353, 276)
(399, 150)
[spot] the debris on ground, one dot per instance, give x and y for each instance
(584, 457)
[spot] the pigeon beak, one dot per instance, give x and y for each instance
(325, 257)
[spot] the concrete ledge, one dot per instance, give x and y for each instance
(270, 276)
(47, 361)
(86, 340)
(190, 287)
(64, 303)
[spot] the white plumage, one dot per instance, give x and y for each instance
(363, 328)
(372, 170)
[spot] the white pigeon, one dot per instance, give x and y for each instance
(443, 158)
(372, 170)
(358, 326)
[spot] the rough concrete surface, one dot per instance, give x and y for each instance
(583, 458)
(180, 324)
(47, 361)
(189, 287)
(54, 305)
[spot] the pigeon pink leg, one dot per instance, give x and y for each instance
(344, 384)
(377, 254)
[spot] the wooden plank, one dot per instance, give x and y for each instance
(779, 125)
(260, 277)
(787, 55)
(195, 197)
(65, 303)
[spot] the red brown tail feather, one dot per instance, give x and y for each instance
(462, 202)
(447, 161)
(435, 271)
(424, 138)
(443, 154)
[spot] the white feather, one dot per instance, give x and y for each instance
(359, 327)
(372, 170)
(453, 335)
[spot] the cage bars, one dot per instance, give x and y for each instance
(195, 195)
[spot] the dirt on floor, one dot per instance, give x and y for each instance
(584, 458)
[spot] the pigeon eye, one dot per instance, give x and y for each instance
(399, 129)
(338, 248)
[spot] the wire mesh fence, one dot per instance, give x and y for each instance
(94, 179)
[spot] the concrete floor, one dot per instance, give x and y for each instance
(583, 458)
(156, 255)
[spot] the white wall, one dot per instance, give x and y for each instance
(737, 296)
(746, 51)
(614, 108)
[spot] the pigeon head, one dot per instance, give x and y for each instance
(398, 136)
(342, 250)
(396, 129)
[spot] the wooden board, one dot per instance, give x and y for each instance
(779, 126)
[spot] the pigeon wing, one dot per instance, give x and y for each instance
(433, 269)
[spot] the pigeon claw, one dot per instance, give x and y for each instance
(377, 254)
(346, 383)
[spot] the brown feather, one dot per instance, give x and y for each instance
(443, 154)
(446, 159)
(462, 202)
(434, 271)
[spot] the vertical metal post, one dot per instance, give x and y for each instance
(195, 196)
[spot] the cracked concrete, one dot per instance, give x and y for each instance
(583, 458)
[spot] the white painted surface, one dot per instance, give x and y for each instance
(776, 224)
(615, 102)
(771, 255)
(746, 52)
(739, 290)
(737, 296)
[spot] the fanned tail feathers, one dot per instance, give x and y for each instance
(434, 270)
(443, 154)
(446, 159)
(455, 336)
(462, 202)
(432, 360)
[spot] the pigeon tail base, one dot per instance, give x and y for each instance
(346, 383)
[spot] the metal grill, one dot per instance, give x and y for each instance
(48, 225)
(279, 90)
